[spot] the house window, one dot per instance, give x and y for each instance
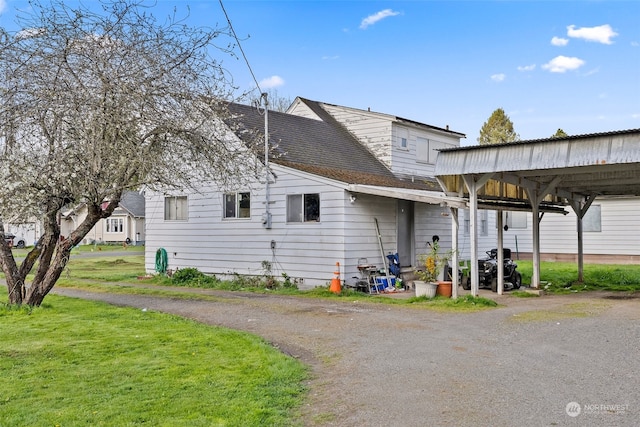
(484, 222)
(427, 149)
(175, 208)
(516, 220)
(422, 149)
(114, 225)
(303, 207)
(592, 220)
(403, 137)
(237, 205)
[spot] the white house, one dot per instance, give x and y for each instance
(125, 225)
(347, 185)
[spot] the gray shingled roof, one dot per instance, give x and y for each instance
(322, 147)
(133, 202)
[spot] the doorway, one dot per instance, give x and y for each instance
(405, 234)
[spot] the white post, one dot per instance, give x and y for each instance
(454, 248)
(500, 254)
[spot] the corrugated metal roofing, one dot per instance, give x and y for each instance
(575, 167)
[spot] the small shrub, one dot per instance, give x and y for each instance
(192, 277)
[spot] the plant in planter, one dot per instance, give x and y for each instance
(433, 263)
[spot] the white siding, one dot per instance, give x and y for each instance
(301, 109)
(225, 246)
(361, 240)
(346, 232)
(486, 241)
(405, 160)
(374, 130)
(619, 235)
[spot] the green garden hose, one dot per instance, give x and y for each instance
(162, 261)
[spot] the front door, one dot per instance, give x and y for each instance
(405, 232)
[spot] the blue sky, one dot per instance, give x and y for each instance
(573, 65)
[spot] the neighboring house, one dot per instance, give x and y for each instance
(611, 233)
(125, 225)
(28, 231)
(338, 171)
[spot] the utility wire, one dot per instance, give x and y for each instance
(240, 46)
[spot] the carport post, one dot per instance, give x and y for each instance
(473, 232)
(454, 249)
(500, 255)
(473, 186)
(535, 213)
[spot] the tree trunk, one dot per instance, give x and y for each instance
(38, 290)
(52, 253)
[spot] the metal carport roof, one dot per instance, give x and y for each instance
(543, 174)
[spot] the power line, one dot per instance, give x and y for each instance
(240, 46)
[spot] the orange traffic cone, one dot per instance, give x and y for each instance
(335, 282)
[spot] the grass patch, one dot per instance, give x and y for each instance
(73, 362)
(523, 294)
(466, 303)
(561, 277)
(108, 269)
(567, 311)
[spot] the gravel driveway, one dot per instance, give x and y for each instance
(522, 364)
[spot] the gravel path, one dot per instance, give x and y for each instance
(381, 365)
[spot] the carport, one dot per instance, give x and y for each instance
(540, 176)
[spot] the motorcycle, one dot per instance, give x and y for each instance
(488, 272)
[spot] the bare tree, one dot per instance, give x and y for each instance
(276, 102)
(96, 102)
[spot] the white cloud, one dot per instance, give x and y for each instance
(594, 71)
(498, 77)
(330, 58)
(372, 19)
(3, 5)
(560, 64)
(271, 82)
(601, 34)
(527, 67)
(635, 44)
(29, 33)
(559, 41)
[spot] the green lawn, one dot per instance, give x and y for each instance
(561, 277)
(75, 362)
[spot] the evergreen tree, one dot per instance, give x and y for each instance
(498, 129)
(559, 134)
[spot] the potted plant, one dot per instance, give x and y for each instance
(430, 280)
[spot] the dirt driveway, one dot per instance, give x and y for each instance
(551, 361)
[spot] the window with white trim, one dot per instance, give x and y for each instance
(237, 205)
(114, 225)
(303, 207)
(592, 219)
(175, 208)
